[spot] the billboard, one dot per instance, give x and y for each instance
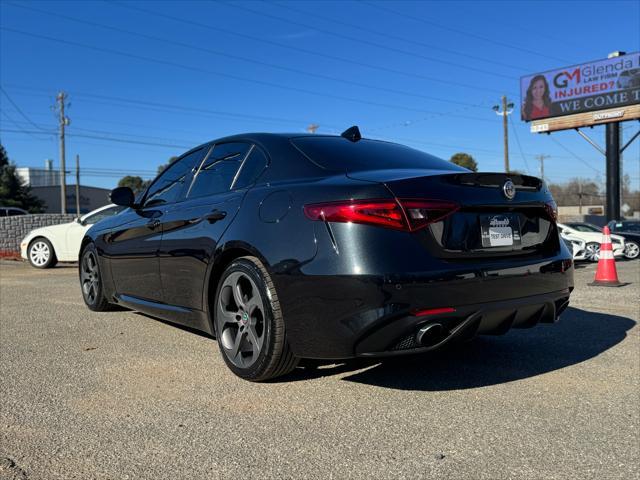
(588, 87)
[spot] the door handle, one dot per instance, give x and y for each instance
(215, 216)
(153, 224)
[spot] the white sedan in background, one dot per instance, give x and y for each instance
(46, 246)
(577, 246)
(592, 242)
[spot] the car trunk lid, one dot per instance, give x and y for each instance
(487, 222)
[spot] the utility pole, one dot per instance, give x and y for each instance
(64, 121)
(541, 158)
(507, 108)
(78, 185)
(580, 196)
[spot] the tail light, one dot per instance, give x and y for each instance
(552, 210)
(404, 214)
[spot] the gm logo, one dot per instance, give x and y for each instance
(561, 80)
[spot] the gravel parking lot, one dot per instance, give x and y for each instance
(120, 395)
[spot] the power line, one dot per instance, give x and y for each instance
(350, 61)
(164, 107)
(97, 137)
(18, 109)
(406, 123)
(369, 42)
(541, 158)
(515, 133)
(212, 72)
(574, 155)
(241, 58)
(187, 146)
(252, 61)
(396, 37)
(462, 32)
(106, 132)
(8, 117)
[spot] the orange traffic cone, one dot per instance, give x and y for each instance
(606, 273)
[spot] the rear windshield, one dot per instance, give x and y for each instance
(337, 153)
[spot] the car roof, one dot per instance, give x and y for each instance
(266, 138)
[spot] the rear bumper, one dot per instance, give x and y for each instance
(345, 316)
(403, 335)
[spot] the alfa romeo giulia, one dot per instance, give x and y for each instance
(295, 246)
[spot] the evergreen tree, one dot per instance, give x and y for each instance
(13, 192)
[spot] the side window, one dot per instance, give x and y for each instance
(251, 169)
(218, 170)
(107, 212)
(168, 187)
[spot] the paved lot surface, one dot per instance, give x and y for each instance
(119, 395)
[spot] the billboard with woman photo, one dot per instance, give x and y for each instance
(592, 86)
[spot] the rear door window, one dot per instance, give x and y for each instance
(217, 172)
(251, 169)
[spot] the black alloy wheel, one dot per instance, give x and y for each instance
(91, 280)
(249, 324)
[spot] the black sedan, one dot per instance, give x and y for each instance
(630, 230)
(286, 247)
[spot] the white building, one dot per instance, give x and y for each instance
(40, 177)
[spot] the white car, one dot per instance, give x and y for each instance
(577, 246)
(592, 240)
(46, 246)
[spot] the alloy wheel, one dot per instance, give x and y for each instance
(39, 253)
(89, 277)
(592, 252)
(632, 250)
(240, 319)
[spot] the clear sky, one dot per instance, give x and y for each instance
(148, 80)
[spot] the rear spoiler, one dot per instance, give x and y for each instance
(493, 180)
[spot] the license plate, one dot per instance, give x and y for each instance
(501, 230)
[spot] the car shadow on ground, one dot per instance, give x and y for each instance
(488, 360)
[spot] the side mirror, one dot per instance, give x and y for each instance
(122, 196)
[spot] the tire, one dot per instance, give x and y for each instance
(248, 323)
(631, 250)
(592, 252)
(91, 281)
(41, 253)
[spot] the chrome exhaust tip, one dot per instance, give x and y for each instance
(430, 334)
